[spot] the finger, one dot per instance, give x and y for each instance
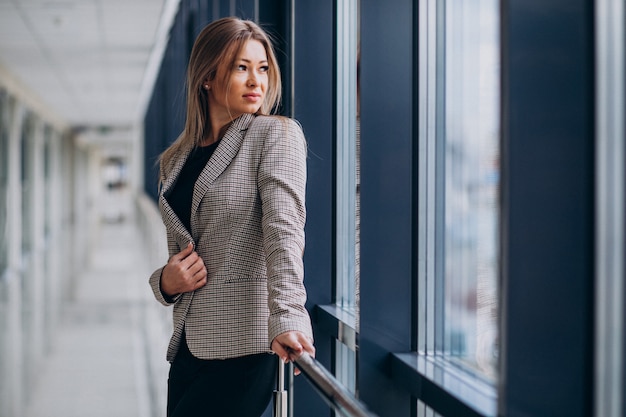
(197, 268)
(307, 345)
(189, 265)
(199, 284)
(188, 250)
(191, 259)
(278, 349)
(201, 277)
(294, 344)
(201, 280)
(183, 253)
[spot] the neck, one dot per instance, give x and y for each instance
(213, 135)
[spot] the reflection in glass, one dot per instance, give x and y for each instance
(347, 194)
(347, 12)
(471, 148)
(425, 411)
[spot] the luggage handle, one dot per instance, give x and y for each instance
(280, 394)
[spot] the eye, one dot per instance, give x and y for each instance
(264, 68)
(241, 67)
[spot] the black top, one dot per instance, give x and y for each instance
(181, 194)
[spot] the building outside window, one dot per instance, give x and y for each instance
(459, 131)
(347, 189)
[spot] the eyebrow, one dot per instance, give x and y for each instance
(247, 60)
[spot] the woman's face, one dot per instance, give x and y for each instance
(248, 84)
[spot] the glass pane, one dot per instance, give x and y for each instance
(47, 189)
(27, 279)
(425, 411)
(4, 176)
(470, 196)
(345, 369)
(27, 185)
(347, 128)
(347, 196)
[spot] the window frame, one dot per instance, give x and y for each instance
(610, 206)
(442, 386)
(432, 138)
(343, 319)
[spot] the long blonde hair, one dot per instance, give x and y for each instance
(213, 54)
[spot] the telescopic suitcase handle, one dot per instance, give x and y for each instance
(280, 394)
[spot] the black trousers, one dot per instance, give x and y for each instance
(239, 387)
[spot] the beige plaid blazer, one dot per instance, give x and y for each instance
(247, 224)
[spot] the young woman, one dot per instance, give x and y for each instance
(232, 191)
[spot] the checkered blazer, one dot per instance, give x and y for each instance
(247, 224)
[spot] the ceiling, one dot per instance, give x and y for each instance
(90, 61)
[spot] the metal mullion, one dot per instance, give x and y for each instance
(610, 223)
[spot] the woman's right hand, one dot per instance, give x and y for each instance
(184, 272)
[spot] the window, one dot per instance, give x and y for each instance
(48, 182)
(27, 182)
(424, 411)
(346, 152)
(459, 182)
(4, 180)
(347, 190)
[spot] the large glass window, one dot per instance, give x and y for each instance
(27, 182)
(47, 178)
(347, 13)
(348, 193)
(4, 178)
(459, 182)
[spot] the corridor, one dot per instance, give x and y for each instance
(100, 359)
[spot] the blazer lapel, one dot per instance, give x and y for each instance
(221, 159)
(170, 219)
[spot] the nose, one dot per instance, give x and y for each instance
(252, 79)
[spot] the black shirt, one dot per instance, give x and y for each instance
(181, 194)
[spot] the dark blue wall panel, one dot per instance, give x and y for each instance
(245, 9)
(313, 104)
(548, 214)
(387, 190)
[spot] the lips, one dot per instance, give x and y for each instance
(252, 96)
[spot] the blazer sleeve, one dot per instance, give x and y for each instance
(155, 278)
(282, 186)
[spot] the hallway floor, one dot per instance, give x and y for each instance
(99, 364)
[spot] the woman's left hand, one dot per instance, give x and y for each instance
(290, 345)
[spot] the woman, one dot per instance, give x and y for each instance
(231, 196)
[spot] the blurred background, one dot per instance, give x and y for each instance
(465, 227)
